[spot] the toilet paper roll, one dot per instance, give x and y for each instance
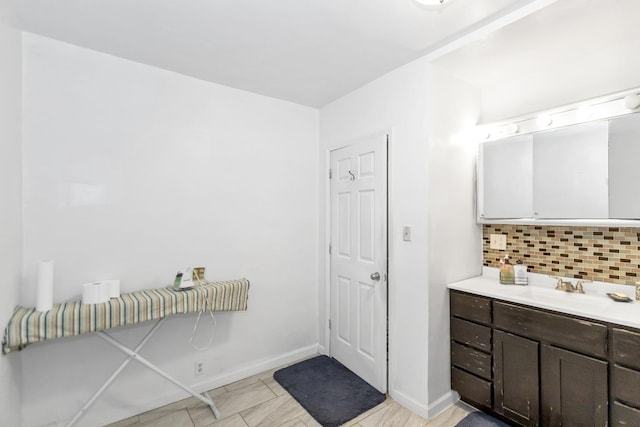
(95, 293)
(44, 290)
(114, 288)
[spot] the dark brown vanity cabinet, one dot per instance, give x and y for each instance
(516, 378)
(548, 369)
(572, 381)
(625, 377)
(574, 389)
(471, 347)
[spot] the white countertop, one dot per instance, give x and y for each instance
(594, 304)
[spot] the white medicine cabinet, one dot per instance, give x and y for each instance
(587, 171)
(570, 173)
(624, 167)
(505, 178)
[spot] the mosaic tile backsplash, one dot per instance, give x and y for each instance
(607, 254)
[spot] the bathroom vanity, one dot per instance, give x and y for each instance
(540, 357)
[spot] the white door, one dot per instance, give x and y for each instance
(359, 259)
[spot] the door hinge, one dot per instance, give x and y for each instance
(329, 249)
(330, 174)
(329, 323)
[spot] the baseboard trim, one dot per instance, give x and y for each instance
(409, 403)
(256, 368)
(428, 411)
(442, 403)
(238, 374)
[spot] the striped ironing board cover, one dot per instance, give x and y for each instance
(28, 326)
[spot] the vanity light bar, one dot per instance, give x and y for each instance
(602, 108)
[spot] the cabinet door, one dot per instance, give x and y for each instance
(571, 172)
(624, 173)
(505, 171)
(573, 389)
(515, 385)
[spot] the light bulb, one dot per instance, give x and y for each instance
(513, 128)
(585, 112)
(544, 120)
(632, 101)
(431, 4)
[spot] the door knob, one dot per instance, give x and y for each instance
(375, 276)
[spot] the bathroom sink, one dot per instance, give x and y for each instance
(563, 299)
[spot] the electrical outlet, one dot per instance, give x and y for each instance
(198, 368)
(498, 241)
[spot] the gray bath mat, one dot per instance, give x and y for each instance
(331, 393)
(480, 419)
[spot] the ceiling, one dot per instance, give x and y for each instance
(312, 52)
(305, 51)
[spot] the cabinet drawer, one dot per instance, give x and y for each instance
(472, 334)
(471, 387)
(568, 332)
(625, 386)
(471, 360)
(626, 348)
(471, 307)
(622, 415)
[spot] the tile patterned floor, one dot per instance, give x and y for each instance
(259, 401)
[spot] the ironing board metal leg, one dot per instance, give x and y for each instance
(216, 413)
(113, 376)
(135, 356)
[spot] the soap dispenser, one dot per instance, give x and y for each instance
(520, 273)
(507, 274)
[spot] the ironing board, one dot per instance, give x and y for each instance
(28, 326)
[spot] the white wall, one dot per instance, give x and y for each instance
(133, 172)
(566, 52)
(398, 101)
(454, 251)
(408, 101)
(583, 65)
(10, 206)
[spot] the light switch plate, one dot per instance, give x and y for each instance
(406, 233)
(498, 242)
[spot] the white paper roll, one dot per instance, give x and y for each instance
(114, 288)
(44, 290)
(95, 293)
(104, 292)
